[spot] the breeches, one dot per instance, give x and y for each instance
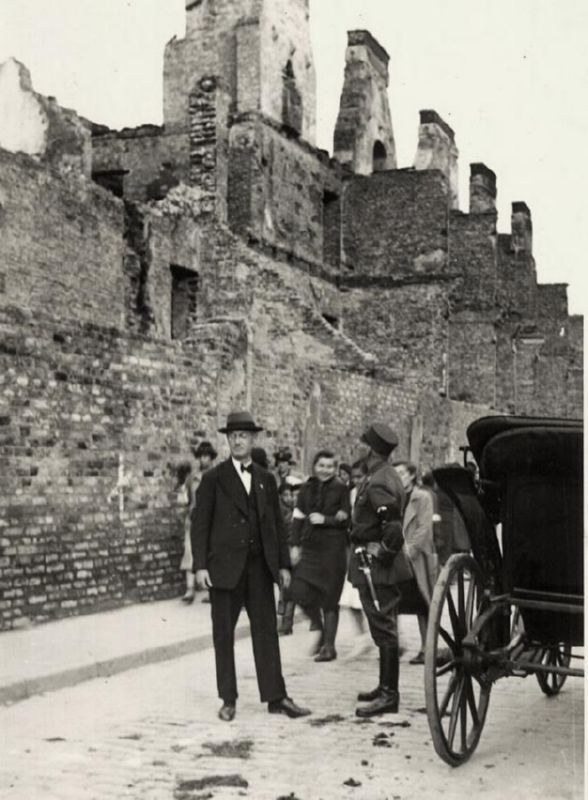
(383, 624)
(255, 592)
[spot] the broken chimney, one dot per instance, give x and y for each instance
(364, 139)
(437, 150)
(521, 228)
(482, 189)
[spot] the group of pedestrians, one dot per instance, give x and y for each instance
(370, 523)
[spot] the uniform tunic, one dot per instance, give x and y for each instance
(381, 489)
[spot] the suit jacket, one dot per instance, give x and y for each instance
(419, 542)
(220, 524)
(382, 487)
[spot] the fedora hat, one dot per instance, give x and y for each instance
(240, 421)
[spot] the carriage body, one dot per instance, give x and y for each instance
(531, 475)
(518, 609)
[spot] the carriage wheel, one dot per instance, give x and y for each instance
(558, 656)
(457, 698)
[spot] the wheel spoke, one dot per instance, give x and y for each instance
(454, 618)
(554, 679)
(455, 713)
(463, 716)
(470, 603)
(445, 668)
(448, 640)
(472, 702)
(447, 696)
(461, 598)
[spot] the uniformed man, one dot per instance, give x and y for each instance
(377, 543)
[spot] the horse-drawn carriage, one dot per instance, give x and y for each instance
(515, 610)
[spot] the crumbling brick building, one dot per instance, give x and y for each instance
(153, 279)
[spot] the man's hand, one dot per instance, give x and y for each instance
(341, 516)
(374, 549)
(285, 579)
(295, 555)
(316, 518)
(203, 579)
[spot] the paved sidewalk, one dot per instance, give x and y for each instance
(69, 651)
(153, 734)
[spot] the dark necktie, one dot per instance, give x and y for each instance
(248, 468)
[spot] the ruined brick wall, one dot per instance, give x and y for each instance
(472, 357)
(405, 325)
(150, 160)
(252, 46)
(396, 222)
(61, 244)
(276, 188)
(363, 138)
(472, 249)
(82, 406)
(517, 280)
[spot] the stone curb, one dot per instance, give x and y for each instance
(21, 690)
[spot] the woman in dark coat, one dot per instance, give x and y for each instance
(319, 535)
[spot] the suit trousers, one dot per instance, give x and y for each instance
(383, 624)
(255, 592)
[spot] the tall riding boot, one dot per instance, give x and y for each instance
(327, 651)
(287, 621)
(387, 700)
(367, 697)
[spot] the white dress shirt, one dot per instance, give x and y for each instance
(243, 474)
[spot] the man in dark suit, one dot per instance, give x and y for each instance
(240, 551)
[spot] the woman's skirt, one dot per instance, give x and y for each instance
(320, 575)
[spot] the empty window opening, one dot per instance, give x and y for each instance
(331, 228)
(113, 180)
(379, 158)
(184, 300)
(291, 100)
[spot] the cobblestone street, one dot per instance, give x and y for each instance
(152, 734)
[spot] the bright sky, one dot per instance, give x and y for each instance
(510, 76)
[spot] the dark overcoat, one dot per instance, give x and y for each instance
(220, 525)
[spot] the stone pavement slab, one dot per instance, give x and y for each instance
(66, 652)
(152, 734)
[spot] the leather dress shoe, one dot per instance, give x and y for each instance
(227, 712)
(418, 659)
(288, 707)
